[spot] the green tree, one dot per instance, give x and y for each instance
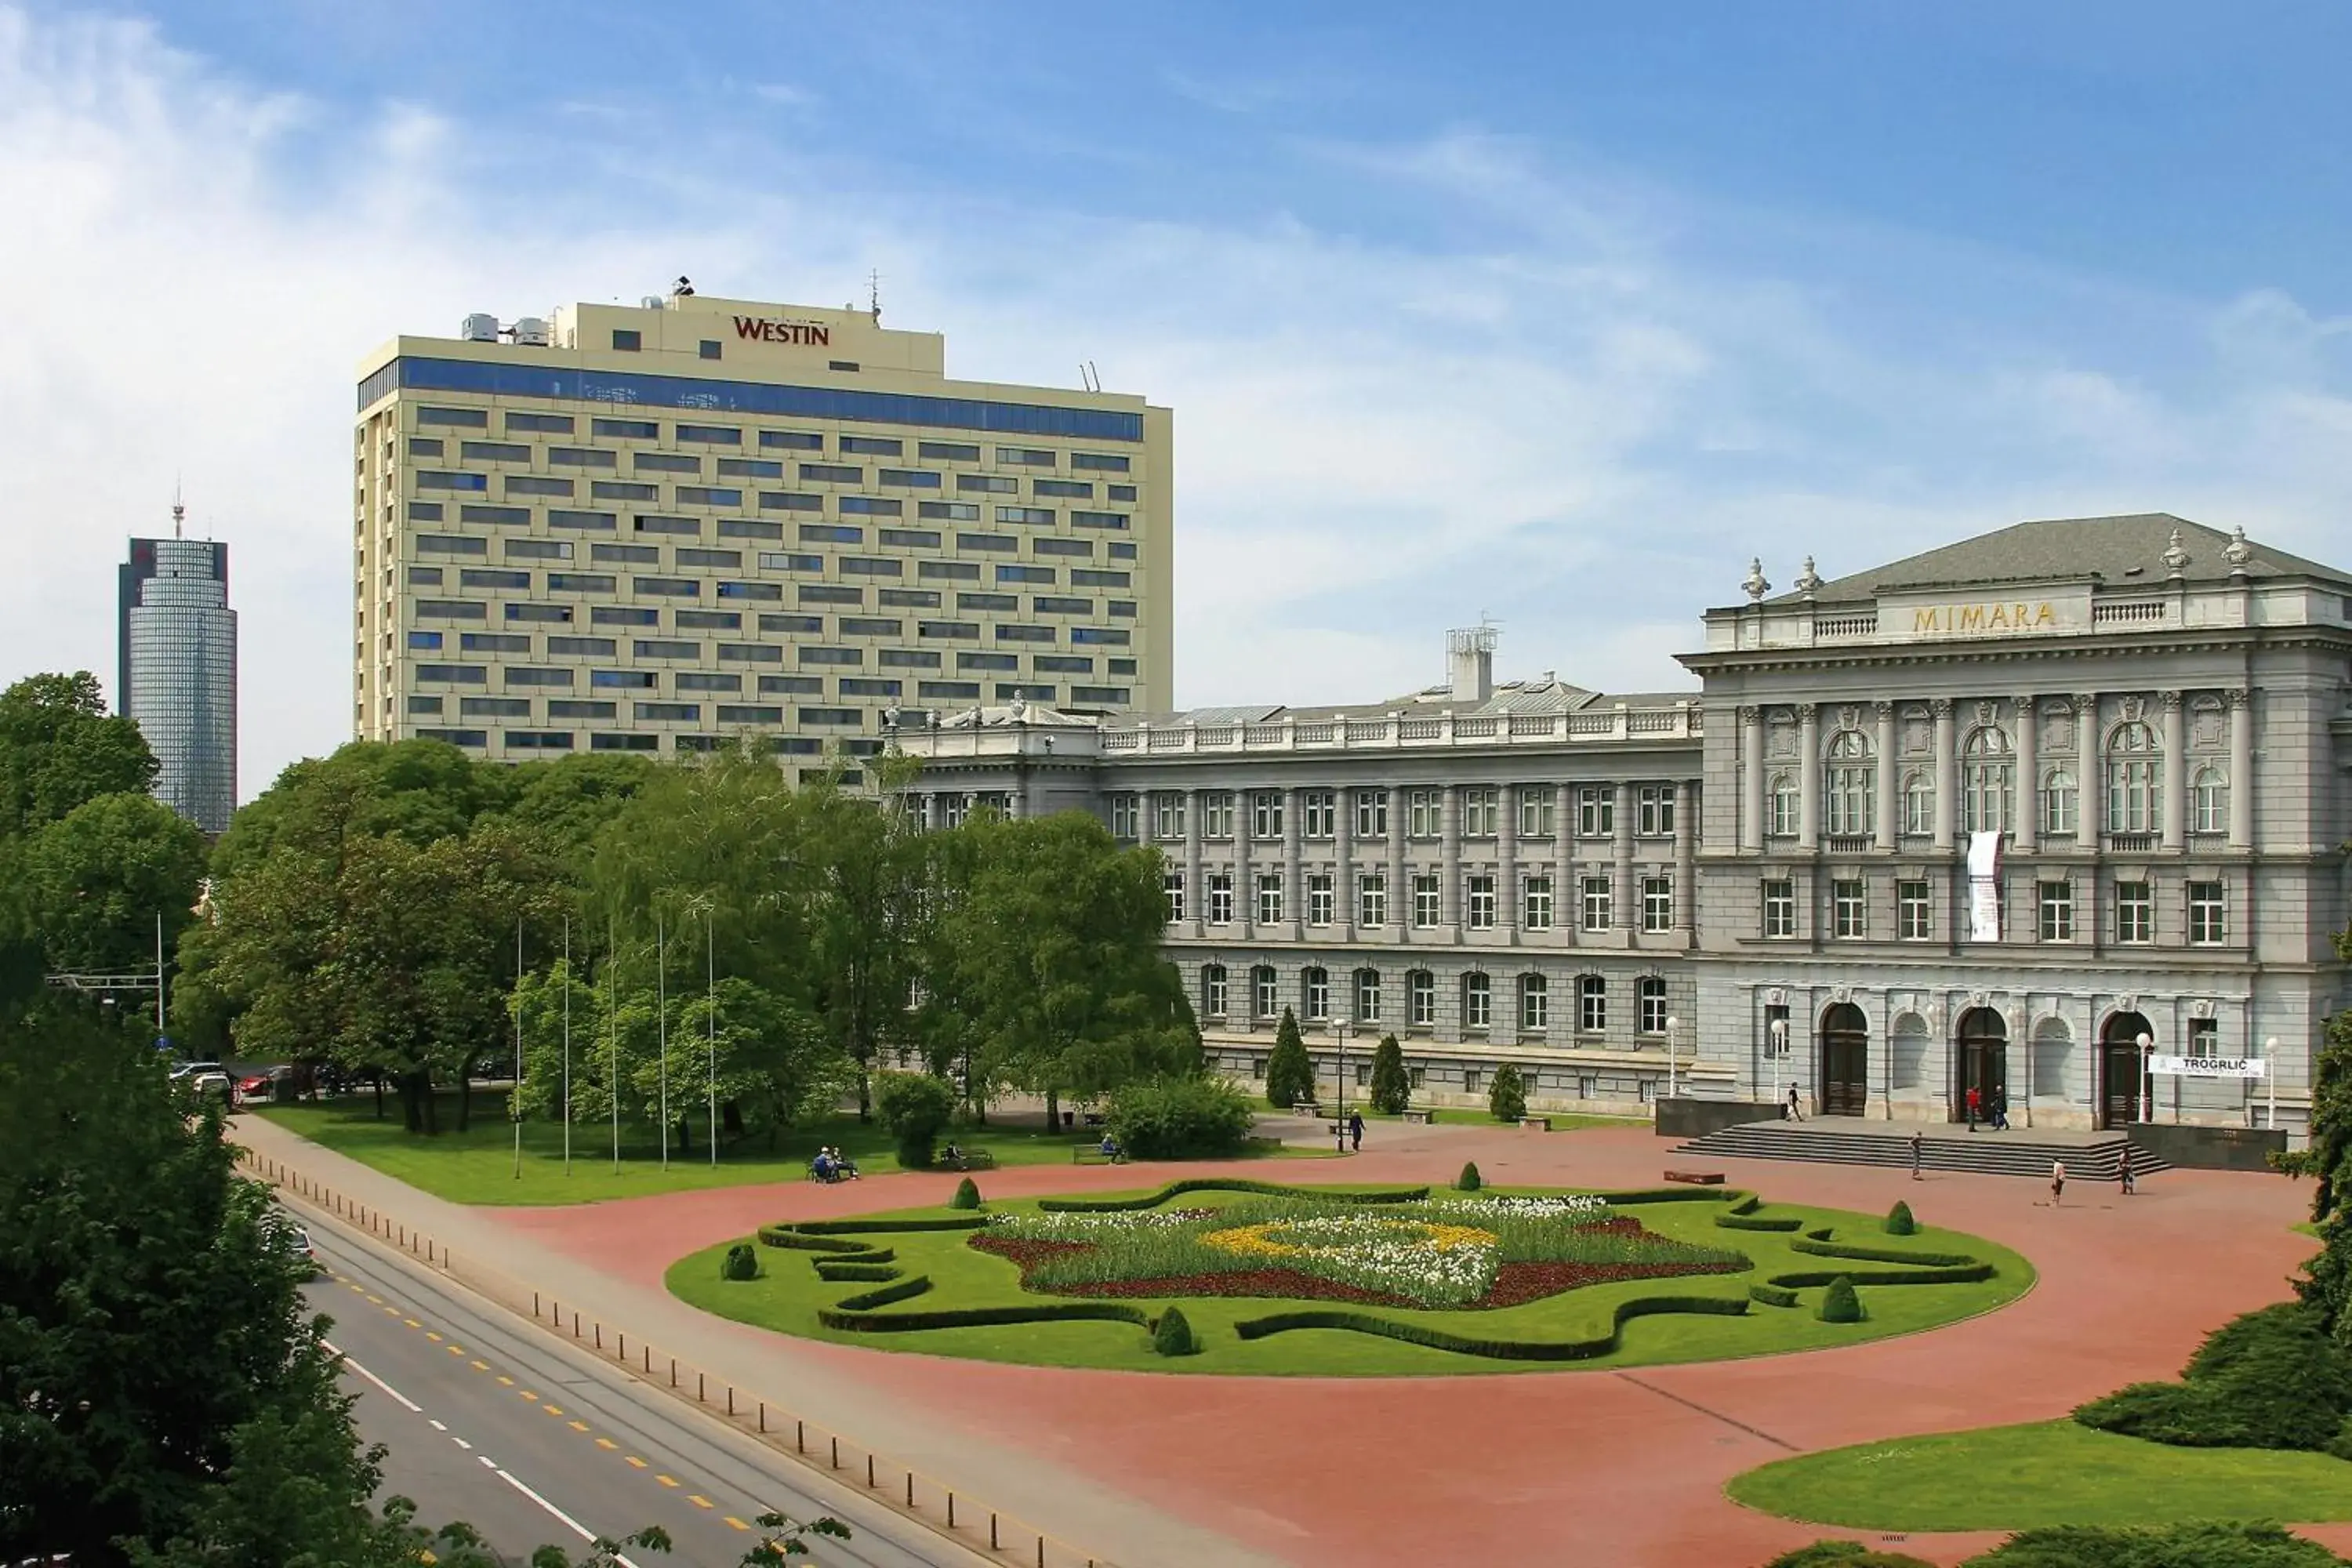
(915, 1108)
(1391, 1087)
(867, 906)
(419, 791)
(2326, 1282)
(1290, 1075)
(1507, 1097)
(101, 875)
(60, 748)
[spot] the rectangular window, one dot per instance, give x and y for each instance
(1592, 1003)
(623, 489)
(1654, 811)
(2056, 901)
(1171, 884)
(1265, 814)
(494, 451)
(996, 542)
(427, 640)
(1600, 903)
(1122, 816)
(1535, 1004)
(2207, 915)
(1780, 906)
(1027, 516)
(582, 457)
(1217, 814)
(1596, 811)
(1101, 462)
(575, 647)
(494, 642)
(465, 418)
(1536, 804)
(1480, 914)
(1072, 489)
(1045, 575)
(1068, 547)
(429, 479)
(1848, 916)
(663, 647)
(872, 446)
(1095, 577)
(909, 598)
(1167, 815)
(864, 506)
(1425, 813)
(788, 501)
(471, 578)
(1424, 902)
(723, 560)
(989, 604)
(590, 521)
(1098, 520)
(424, 576)
(631, 555)
(2205, 1038)
(1320, 807)
(750, 468)
(1912, 922)
(907, 658)
(2135, 912)
(1649, 993)
(1535, 904)
(1046, 604)
(533, 485)
(1481, 807)
(1372, 814)
(1657, 903)
(665, 462)
(791, 440)
(704, 495)
(1372, 901)
(424, 446)
(1321, 903)
(1221, 899)
(948, 452)
(1367, 995)
(628, 340)
(831, 473)
(1269, 899)
(1477, 1000)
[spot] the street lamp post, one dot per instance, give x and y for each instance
(2270, 1084)
(1340, 1124)
(514, 1096)
(567, 1045)
(1673, 1023)
(2147, 1044)
(1778, 1049)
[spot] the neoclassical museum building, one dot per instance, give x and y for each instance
(2055, 813)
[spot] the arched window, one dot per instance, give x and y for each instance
(1478, 1002)
(1784, 806)
(1213, 990)
(2210, 798)
(1535, 1001)
(1367, 995)
(1988, 783)
(2058, 802)
(1919, 803)
(2135, 780)
(1420, 998)
(1592, 1003)
(1315, 991)
(1265, 1000)
(1650, 992)
(1847, 776)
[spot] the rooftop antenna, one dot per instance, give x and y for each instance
(874, 296)
(1089, 378)
(179, 511)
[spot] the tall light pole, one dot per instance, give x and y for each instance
(2270, 1084)
(612, 1032)
(661, 1023)
(1341, 1124)
(567, 1045)
(710, 1022)
(159, 1031)
(1672, 1024)
(2147, 1044)
(1777, 1047)
(514, 1097)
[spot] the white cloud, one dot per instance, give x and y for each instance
(1542, 403)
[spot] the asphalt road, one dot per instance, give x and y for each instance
(491, 1421)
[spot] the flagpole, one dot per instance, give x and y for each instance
(517, 1095)
(612, 1032)
(711, 1021)
(661, 1025)
(567, 1045)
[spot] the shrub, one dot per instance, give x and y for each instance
(1172, 1336)
(1899, 1221)
(2202, 1545)
(2269, 1379)
(743, 1262)
(1507, 1098)
(914, 1108)
(1844, 1555)
(1469, 1181)
(1839, 1302)
(1178, 1119)
(1772, 1295)
(1289, 1076)
(1392, 1085)
(967, 1195)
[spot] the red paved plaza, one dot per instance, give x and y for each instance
(1591, 1466)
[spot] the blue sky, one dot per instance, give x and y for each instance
(1554, 313)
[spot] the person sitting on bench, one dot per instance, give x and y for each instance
(844, 1166)
(822, 1166)
(952, 1154)
(1108, 1148)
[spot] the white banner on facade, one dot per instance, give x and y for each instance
(2208, 1067)
(1984, 887)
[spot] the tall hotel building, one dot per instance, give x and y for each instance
(175, 640)
(653, 528)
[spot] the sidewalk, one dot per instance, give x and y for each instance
(780, 1370)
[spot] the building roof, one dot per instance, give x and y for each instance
(1545, 694)
(2117, 550)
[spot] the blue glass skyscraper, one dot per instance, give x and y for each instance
(177, 645)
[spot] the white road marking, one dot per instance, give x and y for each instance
(372, 1377)
(434, 1425)
(489, 1463)
(463, 1443)
(577, 1528)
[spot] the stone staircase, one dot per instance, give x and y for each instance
(2089, 1157)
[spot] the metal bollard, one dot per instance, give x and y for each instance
(869, 1472)
(800, 1437)
(836, 1453)
(600, 1336)
(697, 1390)
(730, 1401)
(673, 1371)
(910, 1490)
(951, 1510)
(991, 1532)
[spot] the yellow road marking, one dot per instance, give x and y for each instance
(455, 1350)
(578, 1425)
(392, 1312)
(527, 1393)
(606, 1443)
(481, 1366)
(506, 1379)
(635, 1460)
(434, 1337)
(412, 1322)
(697, 1502)
(737, 1522)
(374, 1299)
(551, 1409)
(666, 1481)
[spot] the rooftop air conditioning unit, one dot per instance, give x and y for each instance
(531, 332)
(481, 327)
(652, 301)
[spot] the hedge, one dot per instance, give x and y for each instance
(1817, 1243)
(833, 1273)
(1746, 1222)
(1225, 1185)
(1973, 1274)
(875, 1227)
(1496, 1350)
(785, 1236)
(866, 1300)
(1772, 1295)
(854, 1320)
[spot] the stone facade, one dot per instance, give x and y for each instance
(1624, 896)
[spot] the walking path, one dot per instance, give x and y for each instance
(1620, 1468)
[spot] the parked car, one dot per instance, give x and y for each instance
(252, 1090)
(212, 1082)
(187, 1070)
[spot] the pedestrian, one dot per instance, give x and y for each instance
(1794, 1114)
(1356, 1131)
(1975, 1105)
(2124, 1169)
(2057, 1182)
(2000, 1110)
(1918, 1144)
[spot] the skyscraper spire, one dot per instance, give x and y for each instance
(179, 510)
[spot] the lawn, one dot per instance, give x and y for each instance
(478, 1165)
(2051, 1472)
(1463, 1117)
(788, 1296)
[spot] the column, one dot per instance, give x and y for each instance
(1400, 892)
(2029, 776)
(1294, 888)
(1245, 884)
(2242, 769)
(1623, 901)
(1449, 875)
(1507, 861)
(1196, 888)
(1884, 777)
(2091, 818)
(1808, 775)
(2175, 803)
(1947, 775)
(1343, 864)
(1685, 857)
(1566, 897)
(1751, 780)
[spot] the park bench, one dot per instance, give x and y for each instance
(970, 1159)
(1422, 1117)
(840, 1174)
(1697, 1178)
(1539, 1123)
(1092, 1154)
(1306, 1108)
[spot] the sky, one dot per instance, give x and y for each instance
(1548, 314)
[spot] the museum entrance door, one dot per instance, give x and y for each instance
(1845, 1061)
(1982, 1059)
(2120, 1102)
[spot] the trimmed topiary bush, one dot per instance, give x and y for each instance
(2203, 1545)
(1172, 1336)
(1289, 1076)
(1195, 1118)
(1839, 1302)
(1844, 1555)
(1899, 1221)
(2269, 1379)
(1772, 1295)
(914, 1108)
(743, 1262)
(1392, 1085)
(967, 1195)
(1507, 1097)
(1469, 1181)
